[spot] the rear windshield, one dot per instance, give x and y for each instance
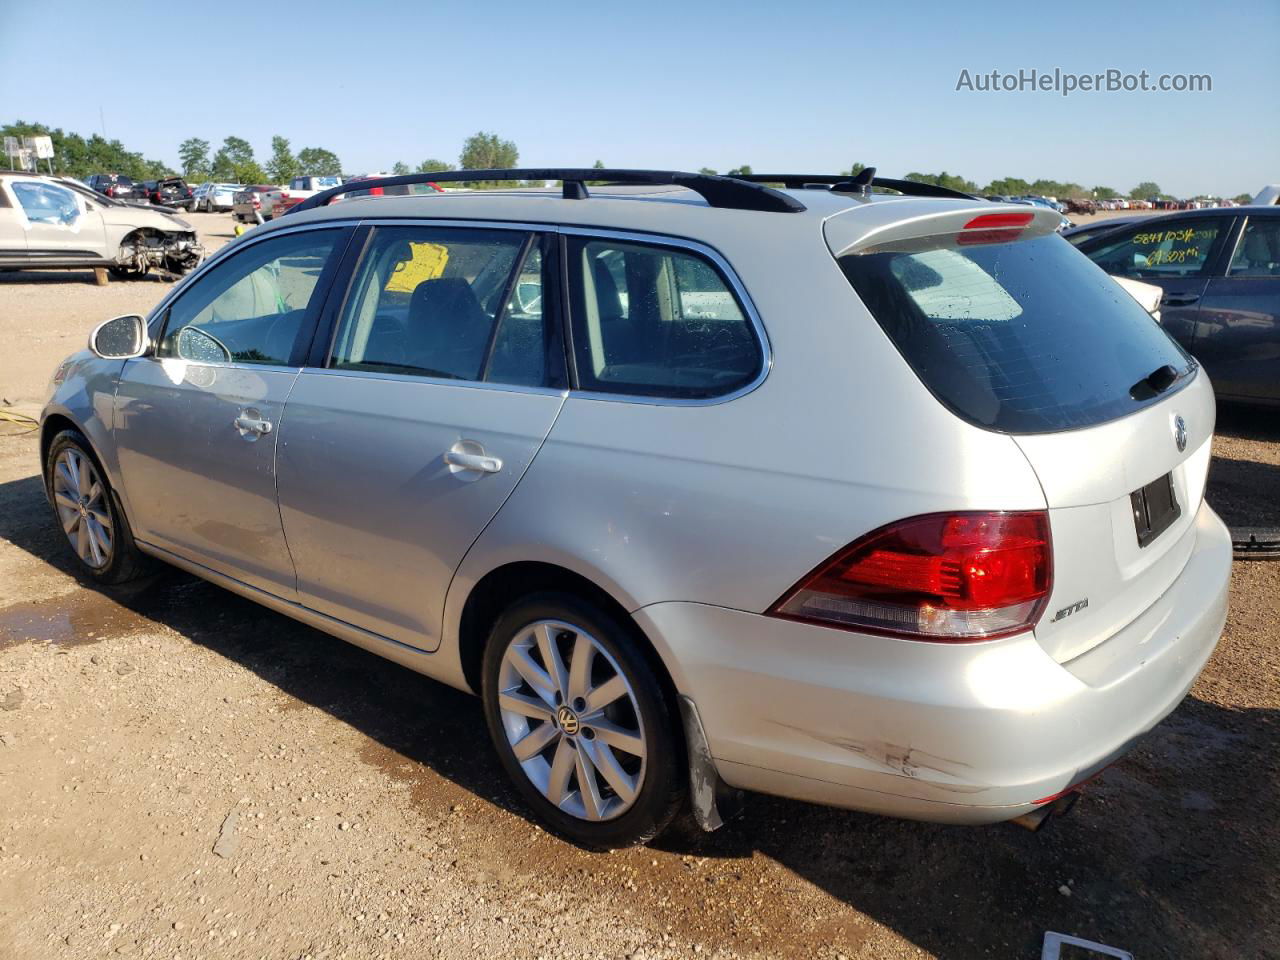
(1021, 337)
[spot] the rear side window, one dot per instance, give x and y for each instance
(656, 321)
(454, 304)
(1258, 252)
(1021, 337)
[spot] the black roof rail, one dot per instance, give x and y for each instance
(727, 192)
(853, 184)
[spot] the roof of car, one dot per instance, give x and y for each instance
(661, 208)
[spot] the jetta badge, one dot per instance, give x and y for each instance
(1180, 432)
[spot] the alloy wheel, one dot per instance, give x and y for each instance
(81, 501)
(572, 720)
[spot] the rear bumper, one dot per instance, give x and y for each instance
(963, 733)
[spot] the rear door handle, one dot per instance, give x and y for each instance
(1174, 300)
(480, 462)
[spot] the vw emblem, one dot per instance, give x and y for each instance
(1180, 432)
(568, 721)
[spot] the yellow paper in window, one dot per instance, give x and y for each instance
(427, 263)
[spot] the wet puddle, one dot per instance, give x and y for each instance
(83, 617)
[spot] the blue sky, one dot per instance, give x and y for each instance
(798, 86)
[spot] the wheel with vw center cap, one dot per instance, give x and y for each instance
(95, 527)
(581, 722)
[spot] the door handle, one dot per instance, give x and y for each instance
(247, 424)
(1173, 300)
(480, 462)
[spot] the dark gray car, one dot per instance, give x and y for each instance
(1220, 272)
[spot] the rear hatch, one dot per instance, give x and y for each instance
(1015, 331)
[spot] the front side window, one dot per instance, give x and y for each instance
(656, 321)
(1162, 250)
(46, 203)
(449, 303)
(251, 307)
(1258, 253)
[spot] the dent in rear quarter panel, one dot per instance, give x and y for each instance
(731, 503)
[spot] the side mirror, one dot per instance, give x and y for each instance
(119, 338)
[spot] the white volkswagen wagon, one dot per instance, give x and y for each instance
(887, 501)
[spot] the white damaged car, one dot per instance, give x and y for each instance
(57, 223)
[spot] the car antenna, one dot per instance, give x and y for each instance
(860, 183)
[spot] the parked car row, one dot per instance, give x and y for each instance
(260, 203)
(164, 192)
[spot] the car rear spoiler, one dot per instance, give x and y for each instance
(876, 226)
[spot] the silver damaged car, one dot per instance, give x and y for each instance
(892, 501)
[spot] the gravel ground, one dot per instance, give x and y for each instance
(185, 774)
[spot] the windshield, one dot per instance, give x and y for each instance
(1021, 337)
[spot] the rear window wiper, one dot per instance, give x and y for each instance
(1155, 383)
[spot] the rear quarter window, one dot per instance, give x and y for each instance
(657, 321)
(1022, 337)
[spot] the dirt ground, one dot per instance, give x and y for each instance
(185, 774)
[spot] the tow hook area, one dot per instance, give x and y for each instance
(1058, 807)
(713, 801)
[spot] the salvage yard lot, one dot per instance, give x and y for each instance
(362, 815)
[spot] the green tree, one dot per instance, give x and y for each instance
(1007, 187)
(488, 151)
(1146, 190)
(318, 162)
(1106, 193)
(948, 180)
(1243, 198)
(434, 166)
(856, 169)
(399, 168)
(234, 163)
(283, 165)
(744, 170)
(194, 155)
(1055, 188)
(77, 156)
(708, 171)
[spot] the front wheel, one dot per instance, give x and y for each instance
(88, 512)
(581, 722)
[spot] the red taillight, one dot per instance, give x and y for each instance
(111, 191)
(994, 228)
(947, 577)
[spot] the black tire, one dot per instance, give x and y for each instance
(662, 791)
(125, 561)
